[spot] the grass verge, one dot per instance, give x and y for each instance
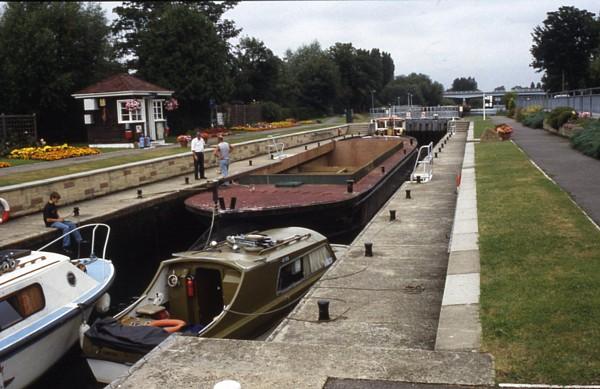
(480, 124)
(540, 274)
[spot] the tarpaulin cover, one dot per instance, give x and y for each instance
(110, 333)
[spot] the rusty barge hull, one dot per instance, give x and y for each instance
(310, 189)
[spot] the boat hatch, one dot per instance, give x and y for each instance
(209, 294)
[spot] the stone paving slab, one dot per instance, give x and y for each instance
(201, 363)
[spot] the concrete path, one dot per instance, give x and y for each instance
(576, 173)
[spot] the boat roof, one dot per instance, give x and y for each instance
(289, 241)
(30, 264)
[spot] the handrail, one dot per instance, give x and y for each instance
(425, 163)
(277, 146)
(94, 227)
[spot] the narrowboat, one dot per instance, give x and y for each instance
(335, 188)
(44, 298)
(235, 288)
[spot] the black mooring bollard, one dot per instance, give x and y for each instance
(187, 180)
(408, 194)
(383, 170)
(435, 155)
(221, 203)
(350, 186)
(75, 211)
(232, 202)
(249, 162)
(392, 214)
(323, 310)
(368, 249)
(139, 193)
(411, 141)
(272, 156)
(305, 147)
(318, 144)
(215, 193)
(404, 151)
(418, 179)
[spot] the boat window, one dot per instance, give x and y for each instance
(20, 305)
(318, 259)
(290, 274)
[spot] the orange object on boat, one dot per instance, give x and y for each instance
(169, 325)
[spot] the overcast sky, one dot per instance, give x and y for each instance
(445, 39)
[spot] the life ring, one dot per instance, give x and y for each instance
(4, 211)
(169, 325)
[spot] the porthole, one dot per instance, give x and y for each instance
(71, 278)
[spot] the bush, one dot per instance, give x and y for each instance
(561, 115)
(535, 120)
(271, 112)
(588, 140)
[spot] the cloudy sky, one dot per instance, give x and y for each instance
(445, 39)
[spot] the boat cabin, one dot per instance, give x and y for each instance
(123, 109)
(389, 125)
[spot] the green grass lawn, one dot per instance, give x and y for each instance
(480, 124)
(540, 274)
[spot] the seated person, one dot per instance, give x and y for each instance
(52, 219)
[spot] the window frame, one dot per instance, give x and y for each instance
(18, 309)
(161, 103)
(121, 107)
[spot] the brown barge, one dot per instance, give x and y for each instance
(335, 188)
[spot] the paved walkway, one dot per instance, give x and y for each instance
(576, 173)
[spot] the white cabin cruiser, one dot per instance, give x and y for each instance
(44, 298)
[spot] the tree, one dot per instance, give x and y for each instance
(183, 51)
(48, 50)
(134, 17)
(539, 85)
(316, 79)
(563, 47)
(464, 84)
(532, 85)
(424, 91)
(256, 71)
(499, 88)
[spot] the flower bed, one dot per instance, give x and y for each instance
(4, 164)
(52, 153)
(273, 125)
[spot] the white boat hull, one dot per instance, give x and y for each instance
(40, 355)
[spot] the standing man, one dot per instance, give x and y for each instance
(52, 219)
(222, 152)
(198, 154)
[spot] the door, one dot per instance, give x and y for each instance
(210, 294)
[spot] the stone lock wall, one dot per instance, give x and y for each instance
(31, 197)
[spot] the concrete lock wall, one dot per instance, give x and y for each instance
(31, 197)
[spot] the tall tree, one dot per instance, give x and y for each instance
(134, 17)
(563, 47)
(183, 50)
(422, 89)
(49, 50)
(316, 77)
(256, 71)
(464, 84)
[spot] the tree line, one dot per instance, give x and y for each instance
(49, 50)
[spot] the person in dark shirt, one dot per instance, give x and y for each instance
(52, 219)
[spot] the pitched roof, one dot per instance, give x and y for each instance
(122, 82)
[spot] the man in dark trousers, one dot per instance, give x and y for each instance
(52, 219)
(198, 154)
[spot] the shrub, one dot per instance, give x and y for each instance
(271, 111)
(588, 140)
(535, 120)
(561, 115)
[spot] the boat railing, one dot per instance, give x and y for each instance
(94, 227)
(275, 149)
(423, 170)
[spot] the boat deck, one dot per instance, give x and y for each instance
(255, 197)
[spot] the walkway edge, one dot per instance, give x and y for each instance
(459, 328)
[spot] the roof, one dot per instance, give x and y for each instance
(121, 84)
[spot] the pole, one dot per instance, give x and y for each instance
(484, 106)
(372, 104)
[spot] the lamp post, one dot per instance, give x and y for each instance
(372, 103)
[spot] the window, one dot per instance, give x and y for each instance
(157, 110)
(127, 116)
(20, 305)
(290, 274)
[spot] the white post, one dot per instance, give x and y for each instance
(484, 106)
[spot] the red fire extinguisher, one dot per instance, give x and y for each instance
(190, 286)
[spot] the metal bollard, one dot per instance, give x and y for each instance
(221, 203)
(418, 179)
(383, 170)
(187, 180)
(215, 193)
(368, 249)
(408, 194)
(305, 147)
(75, 211)
(392, 214)
(249, 162)
(323, 310)
(139, 193)
(232, 202)
(435, 155)
(350, 186)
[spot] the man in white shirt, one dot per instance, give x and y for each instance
(198, 154)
